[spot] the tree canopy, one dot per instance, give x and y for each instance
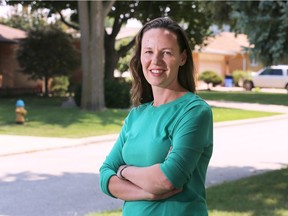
(46, 53)
(264, 22)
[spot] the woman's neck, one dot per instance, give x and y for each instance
(163, 96)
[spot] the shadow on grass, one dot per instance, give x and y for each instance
(260, 195)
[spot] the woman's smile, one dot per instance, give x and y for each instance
(156, 71)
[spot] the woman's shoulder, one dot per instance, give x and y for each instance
(137, 110)
(193, 100)
(140, 107)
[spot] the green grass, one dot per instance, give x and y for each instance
(261, 195)
(46, 117)
(248, 97)
(226, 114)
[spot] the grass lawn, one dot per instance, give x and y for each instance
(46, 117)
(248, 97)
(261, 195)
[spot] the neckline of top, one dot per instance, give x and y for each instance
(171, 103)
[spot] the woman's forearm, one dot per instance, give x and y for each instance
(151, 179)
(126, 190)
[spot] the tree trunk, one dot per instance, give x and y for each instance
(85, 53)
(92, 50)
(97, 55)
(111, 57)
(46, 89)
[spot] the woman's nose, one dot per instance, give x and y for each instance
(156, 59)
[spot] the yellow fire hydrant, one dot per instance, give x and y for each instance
(20, 112)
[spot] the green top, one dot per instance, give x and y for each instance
(184, 124)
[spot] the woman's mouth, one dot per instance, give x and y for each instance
(156, 72)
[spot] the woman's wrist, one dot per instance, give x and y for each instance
(120, 171)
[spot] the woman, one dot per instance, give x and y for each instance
(158, 164)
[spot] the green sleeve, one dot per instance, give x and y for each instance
(191, 136)
(112, 162)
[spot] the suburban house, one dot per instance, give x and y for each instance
(225, 53)
(11, 80)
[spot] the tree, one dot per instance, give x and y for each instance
(27, 19)
(24, 21)
(46, 53)
(91, 17)
(264, 22)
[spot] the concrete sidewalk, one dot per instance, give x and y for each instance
(12, 144)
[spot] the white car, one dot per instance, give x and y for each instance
(269, 77)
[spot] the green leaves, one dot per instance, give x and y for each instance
(47, 52)
(266, 24)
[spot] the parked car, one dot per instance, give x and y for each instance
(269, 77)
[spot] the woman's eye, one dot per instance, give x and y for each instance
(166, 53)
(148, 52)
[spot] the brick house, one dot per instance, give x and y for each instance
(11, 80)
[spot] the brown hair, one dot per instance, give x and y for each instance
(141, 91)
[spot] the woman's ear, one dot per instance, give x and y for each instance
(183, 58)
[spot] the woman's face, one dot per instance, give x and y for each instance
(161, 58)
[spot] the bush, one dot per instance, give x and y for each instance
(210, 77)
(239, 77)
(59, 85)
(117, 93)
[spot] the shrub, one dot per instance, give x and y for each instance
(117, 93)
(59, 85)
(239, 76)
(210, 77)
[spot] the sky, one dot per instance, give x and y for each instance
(3, 10)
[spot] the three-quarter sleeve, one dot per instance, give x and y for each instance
(191, 137)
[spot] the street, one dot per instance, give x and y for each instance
(64, 182)
(53, 183)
